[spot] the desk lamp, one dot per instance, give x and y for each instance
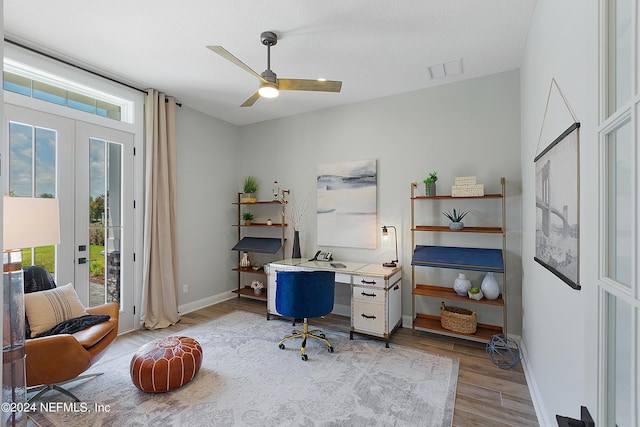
(26, 223)
(385, 236)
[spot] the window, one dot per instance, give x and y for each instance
(22, 79)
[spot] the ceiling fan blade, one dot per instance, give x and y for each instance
(229, 57)
(251, 100)
(315, 85)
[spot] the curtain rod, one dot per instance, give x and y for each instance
(95, 73)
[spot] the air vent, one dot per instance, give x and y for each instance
(446, 69)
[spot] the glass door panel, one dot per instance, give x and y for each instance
(105, 225)
(619, 367)
(619, 54)
(104, 217)
(620, 205)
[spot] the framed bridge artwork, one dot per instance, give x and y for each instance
(557, 206)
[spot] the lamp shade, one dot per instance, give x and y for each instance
(30, 222)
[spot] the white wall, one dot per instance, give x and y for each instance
(559, 324)
(208, 154)
(465, 128)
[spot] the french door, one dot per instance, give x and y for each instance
(89, 169)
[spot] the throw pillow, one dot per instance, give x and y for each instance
(45, 309)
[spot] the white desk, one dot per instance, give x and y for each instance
(376, 293)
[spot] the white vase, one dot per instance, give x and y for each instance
(462, 285)
(490, 287)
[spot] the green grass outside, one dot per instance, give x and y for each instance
(45, 255)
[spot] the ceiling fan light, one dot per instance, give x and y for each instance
(268, 90)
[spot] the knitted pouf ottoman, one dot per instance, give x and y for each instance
(166, 364)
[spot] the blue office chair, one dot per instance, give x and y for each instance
(305, 294)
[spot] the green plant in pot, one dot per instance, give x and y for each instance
(249, 189)
(247, 217)
(455, 218)
(430, 184)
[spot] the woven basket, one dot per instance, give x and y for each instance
(459, 320)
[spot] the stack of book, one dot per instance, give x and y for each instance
(465, 186)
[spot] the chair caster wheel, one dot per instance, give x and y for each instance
(281, 346)
(330, 349)
(305, 357)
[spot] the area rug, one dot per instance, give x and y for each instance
(246, 380)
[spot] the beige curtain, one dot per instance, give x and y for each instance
(160, 282)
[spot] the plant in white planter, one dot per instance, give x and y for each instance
(456, 218)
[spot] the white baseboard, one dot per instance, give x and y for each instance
(536, 398)
(205, 302)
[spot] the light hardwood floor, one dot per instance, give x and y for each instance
(486, 395)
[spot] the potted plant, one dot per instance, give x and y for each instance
(257, 286)
(249, 189)
(475, 293)
(430, 184)
(247, 217)
(456, 218)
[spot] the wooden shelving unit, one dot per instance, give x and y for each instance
(459, 258)
(244, 231)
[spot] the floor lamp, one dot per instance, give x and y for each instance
(26, 223)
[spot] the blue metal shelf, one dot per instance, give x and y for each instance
(266, 245)
(474, 259)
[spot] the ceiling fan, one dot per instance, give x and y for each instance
(270, 84)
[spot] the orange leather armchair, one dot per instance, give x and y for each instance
(58, 359)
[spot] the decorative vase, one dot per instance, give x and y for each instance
(257, 291)
(490, 287)
(430, 189)
(296, 245)
(244, 260)
(456, 225)
(269, 222)
(462, 285)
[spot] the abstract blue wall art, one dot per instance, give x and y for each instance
(347, 204)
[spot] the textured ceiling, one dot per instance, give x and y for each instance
(376, 48)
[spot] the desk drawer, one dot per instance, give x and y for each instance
(369, 294)
(343, 278)
(378, 282)
(369, 317)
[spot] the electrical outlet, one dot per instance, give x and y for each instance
(185, 289)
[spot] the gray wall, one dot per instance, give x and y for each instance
(560, 324)
(207, 160)
(466, 128)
